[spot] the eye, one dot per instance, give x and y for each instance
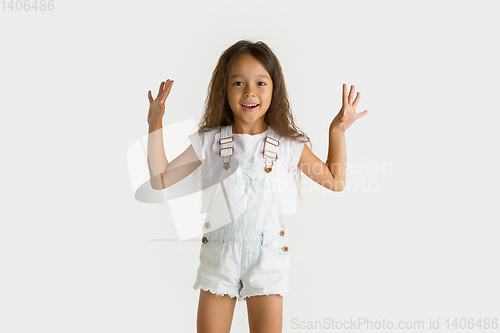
(263, 82)
(236, 82)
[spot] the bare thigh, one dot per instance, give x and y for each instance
(215, 313)
(265, 313)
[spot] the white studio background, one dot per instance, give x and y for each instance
(413, 237)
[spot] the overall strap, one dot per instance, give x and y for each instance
(226, 144)
(271, 148)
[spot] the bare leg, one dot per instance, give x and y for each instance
(215, 313)
(265, 313)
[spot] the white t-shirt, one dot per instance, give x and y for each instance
(247, 148)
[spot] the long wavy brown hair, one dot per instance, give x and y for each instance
(279, 116)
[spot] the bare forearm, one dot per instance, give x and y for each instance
(337, 154)
(157, 160)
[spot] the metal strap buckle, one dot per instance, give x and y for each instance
(232, 151)
(269, 168)
(230, 139)
(268, 137)
(272, 152)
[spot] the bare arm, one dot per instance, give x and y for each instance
(332, 174)
(318, 171)
(162, 173)
(337, 155)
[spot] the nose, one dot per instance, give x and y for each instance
(248, 93)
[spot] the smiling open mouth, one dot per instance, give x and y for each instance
(249, 107)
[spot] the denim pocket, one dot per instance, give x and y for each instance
(245, 194)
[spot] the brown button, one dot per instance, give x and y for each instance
(282, 233)
(207, 225)
(204, 240)
(285, 248)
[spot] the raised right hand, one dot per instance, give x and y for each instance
(157, 106)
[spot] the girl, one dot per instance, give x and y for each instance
(249, 144)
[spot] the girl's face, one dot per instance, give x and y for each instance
(249, 83)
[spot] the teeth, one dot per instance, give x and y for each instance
(249, 104)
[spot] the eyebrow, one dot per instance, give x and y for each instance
(260, 75)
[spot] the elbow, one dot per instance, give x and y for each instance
(338, 188)
(155, 186)
(334, 186)
(157, 182)
(338, 185)
(152, 185)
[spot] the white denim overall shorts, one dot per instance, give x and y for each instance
(244, 250)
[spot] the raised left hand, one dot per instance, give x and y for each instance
(347, 114)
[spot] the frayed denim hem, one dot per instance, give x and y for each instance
(282, 294)
(217, 293)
